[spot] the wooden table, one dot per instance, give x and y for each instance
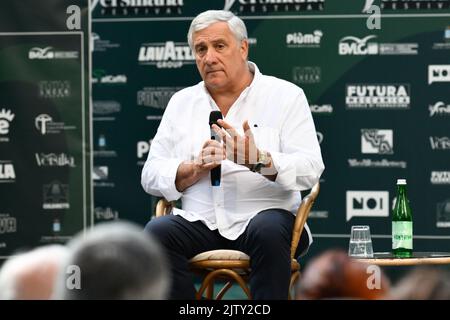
(418, 258)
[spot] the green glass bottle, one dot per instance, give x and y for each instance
(402, 224)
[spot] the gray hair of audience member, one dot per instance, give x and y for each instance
(423, 283)
(207, 18)
(116, 261)
(32, 275)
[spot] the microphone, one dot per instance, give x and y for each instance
(216, 172)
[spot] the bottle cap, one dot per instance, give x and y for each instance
(401, 181)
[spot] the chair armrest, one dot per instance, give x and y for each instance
(163, 207)
(302, 215)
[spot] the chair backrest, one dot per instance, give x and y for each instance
(302, 215)
(164, 207)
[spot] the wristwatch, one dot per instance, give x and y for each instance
(263, 161)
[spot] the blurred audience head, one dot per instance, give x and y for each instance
(116, 261)
(33, 274)
(333, 275)
(423, 283)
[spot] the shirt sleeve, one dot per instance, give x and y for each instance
(299, 163)
(160, 169)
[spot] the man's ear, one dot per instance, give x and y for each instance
(244, 49)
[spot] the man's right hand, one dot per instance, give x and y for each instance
(189, 172)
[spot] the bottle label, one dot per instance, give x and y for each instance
(402, 235)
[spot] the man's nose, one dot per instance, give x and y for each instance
(210, 57)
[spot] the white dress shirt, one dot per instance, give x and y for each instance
(284, 127)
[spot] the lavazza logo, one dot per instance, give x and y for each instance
(6, 117)
(156, 97)
(439, 109)
(440, 177)
(7, 173)
(49, 53)
(440, 143)
(378, 96)
(167, 54)
(304, 40)
(351, 45)
(54, 160)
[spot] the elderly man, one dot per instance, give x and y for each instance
(32, 275)
(266, 148)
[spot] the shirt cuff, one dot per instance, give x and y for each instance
(286, 171)
(167, 180)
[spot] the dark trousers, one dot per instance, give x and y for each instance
(267, 240)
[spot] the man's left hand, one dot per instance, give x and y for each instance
(239, 149)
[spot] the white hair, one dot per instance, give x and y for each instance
(35, 263)
(207, 18)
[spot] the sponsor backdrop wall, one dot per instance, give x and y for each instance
(379, 97)
(45, 189)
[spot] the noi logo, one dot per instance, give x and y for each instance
(440, 177)
(438, 73)
(367, 204)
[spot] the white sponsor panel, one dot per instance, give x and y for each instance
(367, 204)
(377, 141)
(438, 73)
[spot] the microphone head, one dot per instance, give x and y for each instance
(214, 116)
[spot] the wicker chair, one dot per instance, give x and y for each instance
(233, 265)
